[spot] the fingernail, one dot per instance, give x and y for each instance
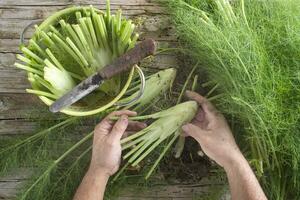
(144, 125)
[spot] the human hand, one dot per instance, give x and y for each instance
(106, 155)
(211, 130)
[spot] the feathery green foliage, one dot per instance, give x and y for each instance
(251, 48)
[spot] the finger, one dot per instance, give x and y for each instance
(104, 126)
(119, 128)
(194, 131)
(205, 104)
(135, 126)
(122, 112)
(195, 96)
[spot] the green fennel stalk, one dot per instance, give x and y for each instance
(250, 48)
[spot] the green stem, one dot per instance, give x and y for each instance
(195, 83)
(244, 13)
(74, 36)
(212, 90)
(181, 141)
(55, 163)
(120, 172)
(75, 163)
(38, 135)
(47, 40)
(150, 141)
(79, 54)
(107, 13)
(97, 30)
(149, 150)
(186, 83)
(54, 30)
(86, 33)
(133, 41)
(37, 47)
(28, 61)
(52, 57)
(136, 148)
(25, 50)
(100, 29)
(86, 44)
(64, 46)
(30, 69)
(42, 93)
(215, 97)
(46, 84)
(134, 142)
(92, 31)
(162, 155)
(83, 140)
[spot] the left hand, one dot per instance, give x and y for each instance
(212, 132)
(106, 155)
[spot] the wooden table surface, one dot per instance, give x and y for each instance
(18, 109)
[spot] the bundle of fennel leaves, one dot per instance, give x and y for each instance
(252, 49)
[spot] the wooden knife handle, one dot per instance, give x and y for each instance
(129, 59)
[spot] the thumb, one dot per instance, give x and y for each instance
(119, 128)
(194, 131)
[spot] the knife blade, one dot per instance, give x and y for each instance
(121, 64)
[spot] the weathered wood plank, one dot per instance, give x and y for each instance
(72, 2)
(20, 106)
(9, 46)
(13, 80)
(7, 60)
(41, 12)
(12, 182)
(143, 3)
(17, 127)
(206, 186)
(173, 191)
(158, 27)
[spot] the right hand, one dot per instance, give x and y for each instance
(106, 156)
(212, 132)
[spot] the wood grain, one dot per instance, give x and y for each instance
(178, 191)
(17, 127)
(143, 3)
(157, 27)
(22, 106)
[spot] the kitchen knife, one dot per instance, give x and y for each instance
(121, 64)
